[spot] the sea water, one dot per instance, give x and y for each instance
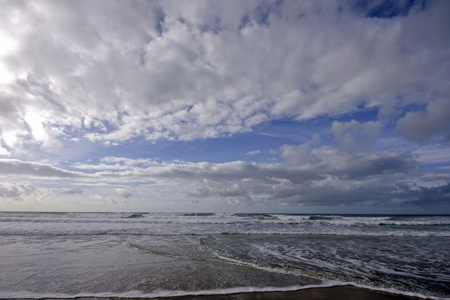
(167, 254)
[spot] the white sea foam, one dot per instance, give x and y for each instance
(182, 293)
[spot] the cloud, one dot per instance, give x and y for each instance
(167, 70)
(115, 163)
(353, 135)
(8, 190)
(319, 176)
(307, 176)
(254, 152)
(333, 179)
(299, 154)
(14, 167)
(123, 193)
(433, 195)
(71, 191)
(433, 155)
(4, 152)
(25, 192)
(101, 201)
(420, 126)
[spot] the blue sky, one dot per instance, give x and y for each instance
(236, 106)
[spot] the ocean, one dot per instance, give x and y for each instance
(170, 254)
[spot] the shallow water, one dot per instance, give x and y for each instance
(159, 253)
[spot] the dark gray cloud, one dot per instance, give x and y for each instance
(317, 177)
(308, 176)
(353, 135)
(439, 195)
(71, 191)
(420, 126)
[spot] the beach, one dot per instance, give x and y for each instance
(223, 256)
(328, 293)
(323, 293)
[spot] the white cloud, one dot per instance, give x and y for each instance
(169, 70)
(116, 163)
(34, 121)
(433, 155)
(4, 151)
(254, 152)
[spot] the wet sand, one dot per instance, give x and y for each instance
(335, 293)
(322, 293)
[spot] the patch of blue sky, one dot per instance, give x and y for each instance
(288, 131)
(159, 22)
(361, 114)
(218, 150)
(261, 144)
(265, 9)
(388, 8)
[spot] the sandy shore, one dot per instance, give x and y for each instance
(323, 293)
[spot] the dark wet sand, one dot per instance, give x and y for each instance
(323, 293)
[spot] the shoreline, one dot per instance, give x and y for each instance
(341, 292)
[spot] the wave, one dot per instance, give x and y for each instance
(321, 217)
(258, 216)
(133, 216)
(223, 224)
(176, 230)
(224, 233)
(199, 214)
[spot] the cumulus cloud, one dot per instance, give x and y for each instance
(111, 72)
(24, 191)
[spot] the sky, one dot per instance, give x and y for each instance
(225, 106)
